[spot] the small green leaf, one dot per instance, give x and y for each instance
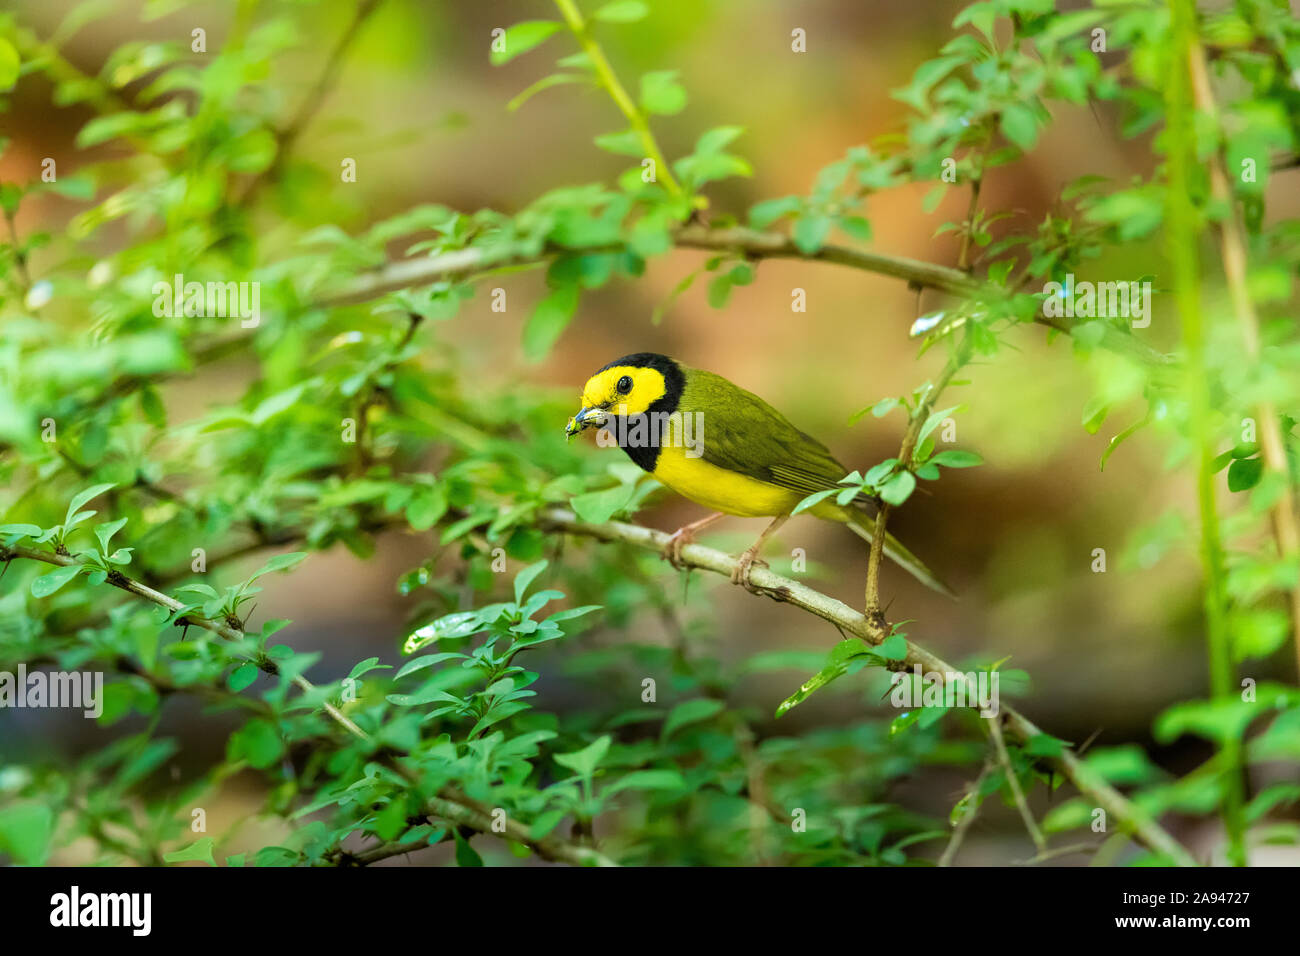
(955, 458)
(898, 488)
(10, 64)
(198, 850)
(521, 38)
(1244, 473)
(622, 11)
(812, 500)
(584, 762)
(647, 780)
(549, 319)
(105, 532)
(810, 233)
(21, 530)
(81, 498)
(47, 584)
(26, 830)
(690, 712)
(661, 93)
(598, 507)
(1019, 125)
(466, 855)
(242, 677)
(525, 577)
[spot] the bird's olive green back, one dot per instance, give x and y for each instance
(743, 433)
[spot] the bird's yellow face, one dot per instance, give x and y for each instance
(619, 390)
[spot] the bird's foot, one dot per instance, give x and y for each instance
(676, 541)
(744, 565)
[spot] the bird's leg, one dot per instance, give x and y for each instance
(684, 536)
(745, 563)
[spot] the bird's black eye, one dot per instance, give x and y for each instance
(624, 385)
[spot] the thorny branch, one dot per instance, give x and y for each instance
(1132, 818)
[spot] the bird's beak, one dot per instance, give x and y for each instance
(585, 418)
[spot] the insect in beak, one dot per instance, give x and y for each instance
(585, 418)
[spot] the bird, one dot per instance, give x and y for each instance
(723, 447)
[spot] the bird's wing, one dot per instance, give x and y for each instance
(745, 434)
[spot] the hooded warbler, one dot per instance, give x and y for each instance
(723, 447)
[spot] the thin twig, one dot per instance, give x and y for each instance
(1013, 781)
(609, 79)
(905, 452)
(286, 138)
(1232, 242)
(963, 825)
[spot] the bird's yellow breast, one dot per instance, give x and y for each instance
(720, 489)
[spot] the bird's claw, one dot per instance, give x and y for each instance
(673, 549)
(744, 566)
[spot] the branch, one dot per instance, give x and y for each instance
(609, 79)
(750, 243)
(1132, 817)
(287, 137)
(905, 453)
(1017, 793)
(1232, 242)
(972, 811)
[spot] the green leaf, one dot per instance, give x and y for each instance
(198, 850)
(105, 532)
(857, 227)
(837, 665)
(647, 780)
(22, 530)
(626, 143)
(717, 139)
(622, 11)
(522, 37)
(690, 712)
(258, 742)
(81, 498)
(763, 214)
(898, 488)
(242, 677)
(1244, 473)
(1019, 125)
(26, 830)
(813, 500)
(281, 562)
(598, 507)
(275, 404)
(47, 584)
(810, 233)
(584, 762)
(1094, 414)
(10, 63)
(551, 317)
(525, 577)
(545, 83)
(661, 93)
(955, 458)
(466, 855)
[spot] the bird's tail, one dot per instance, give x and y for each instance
(864, 526)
